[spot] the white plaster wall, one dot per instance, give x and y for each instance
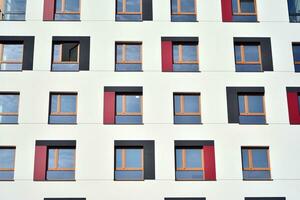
(94, 161)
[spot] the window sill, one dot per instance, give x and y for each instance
(58, 180)
(129, 180)
(257, 179)
(9, 123)
(62, 124)
(188, 123)
(127, 124)
(7, 180)
(62, 20)
(253, 124)
(22, 20)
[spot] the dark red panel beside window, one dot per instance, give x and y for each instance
(209, 163)
(48, 10)
(109, 108)
(40, 163)
(226, 10)
(293, 106)
(166, 56)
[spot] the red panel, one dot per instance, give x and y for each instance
(166, 56)
(109, 107)
(226, 10)
(293, 106)
(209, 163)
(49, 10)
(40, 162)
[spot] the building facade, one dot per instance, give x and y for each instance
(149, 99)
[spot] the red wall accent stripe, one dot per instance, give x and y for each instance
(209, 163)
(48, 10)
(166, 56)
(40, 162)
(293, 105)
(226, 10)
(109, 108)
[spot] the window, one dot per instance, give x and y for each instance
(244, 10)
(129, 10)
(256, 163)
(128, 56)
(187, 108)
(294, 10)
(265, 198)
(61, 163)
(185, 57)
(248, 57)
(65, 56)
(9, 108)
(7, 163)
(12, 10)
(189, 164)
(296, 54)
(129, 164)
(67, 10)
(63, 108)
(11, 57)
(251, 108)
(183, 11)
(129, 108)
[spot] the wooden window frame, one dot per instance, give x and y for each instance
(181, 103)
(250, 159)
(63, 5)
(124, 12)
(10, 62)
(243, 62)
(11, 113)
(123, 160)
(124, 45)
(246, 106)
(14, 158)
(184, 168)
(58, 105)
(184, 13)
(56, 160)
(240, 13)
(124, 112)
(180, 54)
(61, 52)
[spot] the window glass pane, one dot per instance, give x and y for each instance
(13, 52)
(255, 104)
(9, 103)
(193, 158)
(119, 103)
(256, 174)
(70, 52)
(119, 5)
(7, 158)
(15, 6)
(189, 175)
(188, 6)
(60, 175)
(66, 158)
(54, 103)
(129, 175)
(245, 158)
(62, 119)
(296, 52)
(58, 5)
(133, 158)
(51, 153)
(241, 103)
(189, 52)
(251, 53)
(191, 103)
(175, 53)
(174, 6)
(56, 53)
(237, 53)
(68, 103)
(133, 103)
(235, 6)
(133, 5)
(72, 5)
(247, 6)
(133, 52)
(179, 158)
(260, 158)
(177, 103)
(119, 53)
(118, 158)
